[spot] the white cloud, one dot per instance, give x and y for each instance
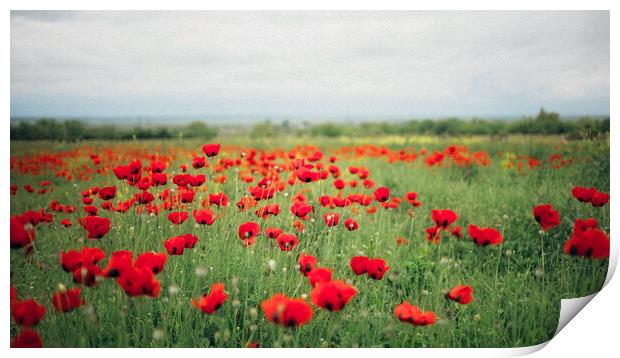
(309, 63)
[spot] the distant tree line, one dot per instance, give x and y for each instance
(545, 123)
(74, 130)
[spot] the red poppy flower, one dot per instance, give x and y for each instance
(145, 197)
(351, 224)
(307, 175)
(325, 200)
(333, 295)
(108, 205)
(584, 225)
(331, 219)
(92, 256)
(368, 184)
(27, 312)
(340, 202)
(30, 216)
(87, 274)
(273, 232)
(27, 338)
(339, 184)
(152, 261)
(144, 183)
(583, 194)
(248, 231)
(400, 241)
(461, 294)
(376, 268)
(68, 300)
(198, 162)
(301, 209)
(359, 264)
(407, 313)
(299, 225)
(121, 172)
(382, 194)
(187, 196)
(211, 150)
(205, 216)
(588, 240)
(546, 216)
(97, 227)
(182, 180)
(319, 275)
(306, 263)
(433, 234)
(120, 261)
(91, 210)
(158, 167)
(443, 218)
(599, 199)
(159, 179)
(178, 217)
(175, 245)
(287, 242)
(211, 302)
(139, 281)
(285, 311)
(107, 193)
(21, 235)
(71, 260)
(412, 198)
(135, 167)
(245, 203)
(456, 231)
(219, 199)
(484, 236)
(300, 197)
(270, 209)
(262, 193)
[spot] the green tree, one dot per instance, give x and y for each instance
(48, 128)
(74, 130)
(199, 129)
(264, 129)
(326, 130)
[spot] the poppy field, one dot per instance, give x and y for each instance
(343, 242)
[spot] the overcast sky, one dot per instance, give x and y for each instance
(382, 64)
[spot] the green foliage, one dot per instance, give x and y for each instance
(75, 130)
(329, 130)
(547, 123)
(198, 129)
(265, 129)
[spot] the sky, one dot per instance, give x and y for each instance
(309, 64)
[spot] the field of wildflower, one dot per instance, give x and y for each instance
(345, 242)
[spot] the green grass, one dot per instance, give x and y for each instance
(515, 302)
